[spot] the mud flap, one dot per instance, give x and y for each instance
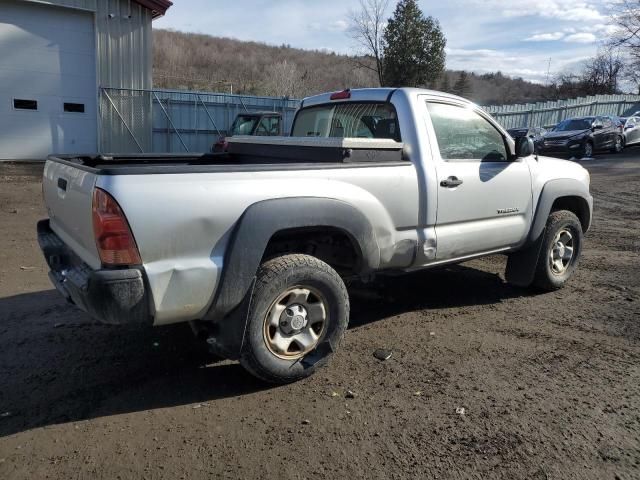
(320, 352)
(521, 265)
(227, 337)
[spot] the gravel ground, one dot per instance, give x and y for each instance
(549, 384)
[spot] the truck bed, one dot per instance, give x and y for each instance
(248, 153)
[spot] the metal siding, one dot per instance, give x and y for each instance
(124, 46)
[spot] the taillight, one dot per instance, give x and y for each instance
(112, 233)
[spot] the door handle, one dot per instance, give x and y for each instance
(451, 182)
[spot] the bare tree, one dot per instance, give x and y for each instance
(602, 74)
(626, 17)
(632, 74)
(366, 26)
(283, 79)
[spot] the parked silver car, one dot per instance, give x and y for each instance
(632, 130)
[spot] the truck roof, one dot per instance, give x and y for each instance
(375, 95)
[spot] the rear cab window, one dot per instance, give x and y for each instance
(464, 135)
(348, 120)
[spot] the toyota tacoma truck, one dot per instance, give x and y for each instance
(253, 246)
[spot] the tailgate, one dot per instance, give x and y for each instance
(68, 195)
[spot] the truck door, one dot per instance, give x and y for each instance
(484, 194)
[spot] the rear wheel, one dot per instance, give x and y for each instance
(298, 315)
(560, 252)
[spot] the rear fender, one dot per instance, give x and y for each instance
(263, 219)
(249, 240)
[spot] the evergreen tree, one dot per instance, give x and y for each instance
(413, 47)
(462, 87)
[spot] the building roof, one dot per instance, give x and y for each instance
(157, 7)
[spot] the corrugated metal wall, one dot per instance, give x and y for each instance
(185, 121)
(125, 56)
(124, 44)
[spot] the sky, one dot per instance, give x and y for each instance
(522, 38)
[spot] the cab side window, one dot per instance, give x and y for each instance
(464, 135)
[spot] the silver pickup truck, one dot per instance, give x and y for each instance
(253, 246)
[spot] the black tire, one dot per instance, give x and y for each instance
(587, 150)
(275, 277)
(546, 277)
(619, 145)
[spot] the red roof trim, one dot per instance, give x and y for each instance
(157, 7)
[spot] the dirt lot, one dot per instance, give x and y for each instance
(550, 383)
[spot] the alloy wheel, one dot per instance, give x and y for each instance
(561, 252)
(295, 322)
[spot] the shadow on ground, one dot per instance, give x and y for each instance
(57, 366)
(446, 287)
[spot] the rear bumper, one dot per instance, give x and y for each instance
(110, 296)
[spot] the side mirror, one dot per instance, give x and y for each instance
(596, 126)
(525, 147)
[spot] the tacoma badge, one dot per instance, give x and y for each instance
(502, 211)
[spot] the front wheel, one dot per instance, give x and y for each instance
(619, 145)
(298, 315)
(587, 150)
(560, 252)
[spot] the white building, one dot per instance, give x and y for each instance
(54, 58)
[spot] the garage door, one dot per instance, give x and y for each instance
(47, 81)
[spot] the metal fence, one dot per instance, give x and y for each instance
(176, 121)
(182, 121)
(546, 114)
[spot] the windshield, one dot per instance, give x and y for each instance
(574, 124)
(244, 125)
(348, 120)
